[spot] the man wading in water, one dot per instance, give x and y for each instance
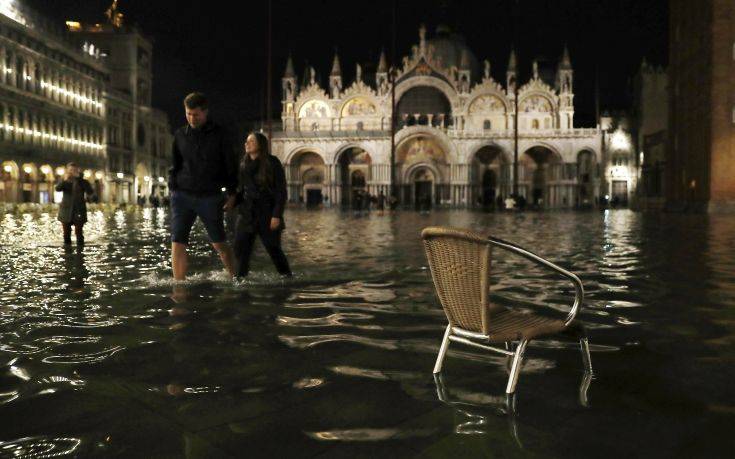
(203, 164)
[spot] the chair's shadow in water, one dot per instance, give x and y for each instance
(474, 411)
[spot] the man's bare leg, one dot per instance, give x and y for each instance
(179, 260)
(225, 254)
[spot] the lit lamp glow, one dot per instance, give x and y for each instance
(160, 179)
(8, 168)
(87, 173)
(59, 171)
(45, 169)
(98, 175)
(27, 169)
(620, 141)
(120, 175)
(146, 179)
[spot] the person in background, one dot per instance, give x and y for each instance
(73, 208)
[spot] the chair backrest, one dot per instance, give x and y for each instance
(460, 267)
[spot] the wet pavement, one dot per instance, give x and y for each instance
(101, 354)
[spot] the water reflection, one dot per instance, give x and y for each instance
(39, 447)
(76, 269)
(342, 354)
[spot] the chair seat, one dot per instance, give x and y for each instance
(508, 325)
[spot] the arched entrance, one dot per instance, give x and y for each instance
(46, 184)
(312, 187)
(490, 176)
(586, 169)
(489, 188)
(306, 181)
(28, 186)
(424, 105)
(353, 169)
(9, 182)
(422, 152)
(539, 171)
(422, 182)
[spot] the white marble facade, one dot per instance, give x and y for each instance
(454, 138)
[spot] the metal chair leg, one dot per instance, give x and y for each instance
(516, 368)
(584, 346)
(442, 350)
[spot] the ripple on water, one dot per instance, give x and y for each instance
(361, 308)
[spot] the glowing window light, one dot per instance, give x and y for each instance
(120, 175)
(619, 141)
(28, 77)
(59, 171)
(8, 71)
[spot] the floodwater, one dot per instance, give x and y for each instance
(97, 359)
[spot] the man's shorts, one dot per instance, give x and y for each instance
(186, 207)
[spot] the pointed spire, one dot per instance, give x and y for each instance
(289, 73)
(382, 63)
(336, 68)
(422, 39)
(512, 60)
(566, 61)
(464, 60)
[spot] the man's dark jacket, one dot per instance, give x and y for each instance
(203, 160)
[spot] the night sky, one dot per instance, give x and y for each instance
(221, 49)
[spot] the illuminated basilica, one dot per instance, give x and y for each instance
(454, 134)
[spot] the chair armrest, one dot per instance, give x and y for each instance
(578, 288)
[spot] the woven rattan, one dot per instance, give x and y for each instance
(460, 262)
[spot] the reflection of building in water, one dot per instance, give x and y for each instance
(455, 135)
(82, 95)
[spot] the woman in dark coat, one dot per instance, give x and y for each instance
(73, 208)
(261, 198)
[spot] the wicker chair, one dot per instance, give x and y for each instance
(460, 267)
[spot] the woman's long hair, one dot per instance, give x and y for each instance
(264, 176)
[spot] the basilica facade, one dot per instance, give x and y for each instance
(454, 135)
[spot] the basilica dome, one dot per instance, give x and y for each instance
(448, 48)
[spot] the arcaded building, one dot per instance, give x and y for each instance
(454, 136)
(77, 93)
